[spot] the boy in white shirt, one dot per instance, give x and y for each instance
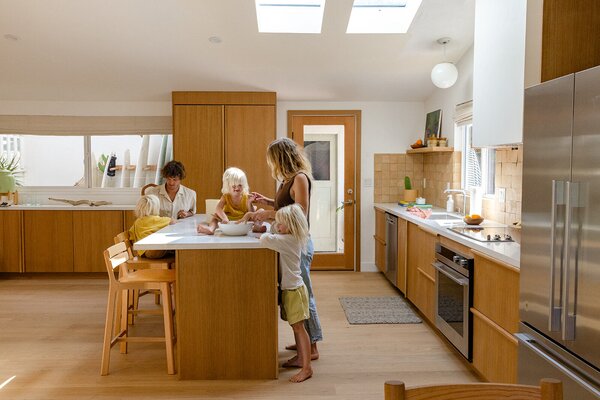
(291, 237)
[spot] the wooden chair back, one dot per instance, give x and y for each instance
(115, 257)
(211, 206)
(549, 389)
(123, 237)
(150, 185)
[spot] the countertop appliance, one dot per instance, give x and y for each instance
(391, 248)
(484, 234)
(453, 297)
(560, 247)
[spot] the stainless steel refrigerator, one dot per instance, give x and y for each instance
(560, 250)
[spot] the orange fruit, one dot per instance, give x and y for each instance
(419, 141)
(475, 216)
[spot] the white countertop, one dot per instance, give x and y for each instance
(183, 236)
(61, 207)
(507, 252)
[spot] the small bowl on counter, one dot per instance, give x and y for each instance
(469, 220)
(233, 229)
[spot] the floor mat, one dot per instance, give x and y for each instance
(378, 310)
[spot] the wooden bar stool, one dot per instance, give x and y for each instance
(549, 389)
(115, 258)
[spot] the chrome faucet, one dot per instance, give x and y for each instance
(461, 191)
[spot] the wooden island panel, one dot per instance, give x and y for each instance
(227, 314)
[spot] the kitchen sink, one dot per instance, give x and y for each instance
(444, 217)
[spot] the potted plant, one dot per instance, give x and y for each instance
(9, 163)
(410, 194)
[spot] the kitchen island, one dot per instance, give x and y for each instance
(226, 302)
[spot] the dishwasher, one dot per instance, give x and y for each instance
(391, 246)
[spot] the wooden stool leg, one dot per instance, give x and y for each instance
(124, 319)
(134, 304)
(393, 390)
(157, 298)
(108, 329)
(165, 290)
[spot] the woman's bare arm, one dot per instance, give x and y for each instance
(300, 193)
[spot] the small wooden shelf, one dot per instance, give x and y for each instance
(436, 149)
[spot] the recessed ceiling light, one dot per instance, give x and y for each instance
(215, 39)
(289, 16)
(382, 16)
(10, 36)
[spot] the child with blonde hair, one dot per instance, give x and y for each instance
(290, 239)
(148, 221)
(235, 201)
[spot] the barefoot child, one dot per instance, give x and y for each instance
(234, 203)
(291, 237)
(148, 221)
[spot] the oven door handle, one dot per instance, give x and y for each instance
(450, 273)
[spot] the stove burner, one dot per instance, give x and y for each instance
(484, 234)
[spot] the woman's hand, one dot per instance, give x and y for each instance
(259, 216)
(258, 198)
(183, 214)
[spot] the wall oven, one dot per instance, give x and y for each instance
(453, 297)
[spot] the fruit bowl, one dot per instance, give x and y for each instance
(470, 220)
(233, 229)
(416, 146)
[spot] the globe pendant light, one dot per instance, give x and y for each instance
(445, 74)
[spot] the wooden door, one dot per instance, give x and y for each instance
(10, 237)
(412, 261)
(426, 274)
(48, 241)
(93, 232)
(248, 132)
(347, 256)
(198, 144)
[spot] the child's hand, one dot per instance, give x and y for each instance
(173, 221)
(256, 197)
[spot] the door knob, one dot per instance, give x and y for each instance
(348, 202)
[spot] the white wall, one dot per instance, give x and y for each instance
(86, 108)
(447, 99)
(386, 127)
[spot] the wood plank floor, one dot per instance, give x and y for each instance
(51, 341)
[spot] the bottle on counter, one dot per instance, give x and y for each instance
(450, 204)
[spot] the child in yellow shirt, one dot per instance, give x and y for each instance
(148, 221)
(234, 203)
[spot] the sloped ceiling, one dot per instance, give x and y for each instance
(141, 50)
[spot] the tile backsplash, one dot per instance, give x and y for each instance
(436, 169)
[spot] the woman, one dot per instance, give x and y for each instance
(176, 201)
(290, 166)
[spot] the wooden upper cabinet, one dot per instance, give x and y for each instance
(216, 130)
(198, 144)
(93, 232)
(48, 241)
(248, 132)
(570, 33)
(10, 239)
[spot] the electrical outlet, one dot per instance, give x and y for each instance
(424, 183)
(501, 195)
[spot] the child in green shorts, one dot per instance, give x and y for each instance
(291, 237)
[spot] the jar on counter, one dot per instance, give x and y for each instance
(443, 142)
(432, 142)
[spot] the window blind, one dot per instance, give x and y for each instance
(463, 114)
(62, 125)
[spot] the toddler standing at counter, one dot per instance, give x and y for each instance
(291, 237)
(234, 203)
(148, 221)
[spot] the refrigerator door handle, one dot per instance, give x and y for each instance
(568, 318)
(531, 344)
(558, 199)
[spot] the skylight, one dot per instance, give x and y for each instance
(382, 16)
(289, 16)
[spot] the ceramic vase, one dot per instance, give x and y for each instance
(410, 194)
(7, 181)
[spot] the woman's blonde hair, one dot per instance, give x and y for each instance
(293, 217)
(286, 159)
(148, 204)
(234, 176)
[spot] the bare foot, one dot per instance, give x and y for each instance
(204, 229)
(295, 363)
(301, 376)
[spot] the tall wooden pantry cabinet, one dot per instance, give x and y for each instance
(216, 130)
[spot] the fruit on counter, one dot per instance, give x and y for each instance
(473, 216)
(419, 141)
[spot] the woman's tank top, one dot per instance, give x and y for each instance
(284, 198)
(232, 211)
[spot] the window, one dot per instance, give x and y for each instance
(382, 16)
(289, 16)
(478, 165)
(90, 161)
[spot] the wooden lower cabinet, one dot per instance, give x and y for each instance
(10, 238)
(495, 319)
(494, 350)
(402, 254)
(379, 240)
(93, 232)
(48, 241)
(420, 288)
